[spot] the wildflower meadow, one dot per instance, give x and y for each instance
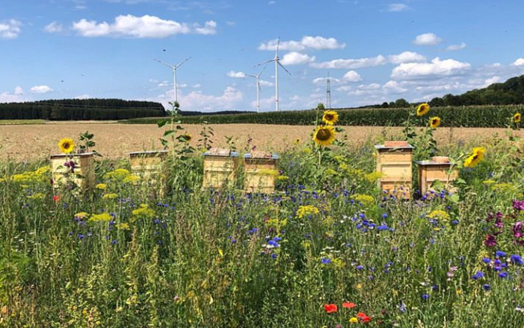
(328, 248)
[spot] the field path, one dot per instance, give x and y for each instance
(27, 142)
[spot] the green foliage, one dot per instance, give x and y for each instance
(470, 116)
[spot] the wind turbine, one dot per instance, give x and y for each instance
(174, 68)
(277, 63)
(258, 87)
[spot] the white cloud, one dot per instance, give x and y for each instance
(398, 7)
(264, 83)
(437, 68)
(53, 27)
(295, 58)
(519, 62)
(492, 80)
(406, 57)
(196, 100)
(427, 39)
(140, 27)
(307, 42)
(455, 47)
(237, 75)
(352, 76)
(209, 28)
(352, 63)
(372, 86)
(231, 23)
(10, 29)
(84, 96)
(16, 96)
(41, 89)
(394, 87)
(197, 86)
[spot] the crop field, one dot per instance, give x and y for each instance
(32, 142)
(108, 245)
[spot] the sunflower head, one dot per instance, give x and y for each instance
(434, 122)
(324, 135)
(517, 117)
(66, 145)
(330, 117)
(422, 109)
(476, 156)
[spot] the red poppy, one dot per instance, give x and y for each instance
(348, 305)
(331, 308)
(56, 198)
(364, 317)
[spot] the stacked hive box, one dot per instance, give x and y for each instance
(438, 169)
(394, 161)
(147, 164)
(79, 169)
(220, 168)
(260, 172)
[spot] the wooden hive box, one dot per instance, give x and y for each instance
(220, 168)
(437, 169)
(83, 174)
(260, 169)
(147, 164)
(395, 162)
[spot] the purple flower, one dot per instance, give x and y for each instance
(518, 205)
(486, 260)
(517, 230)
(360, 267)
(326, 260)
(503, 274)
(500, 254)
(490, 241)
(516, 259)
(478, 275)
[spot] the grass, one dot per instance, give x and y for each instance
(21, 122)
(127, 255)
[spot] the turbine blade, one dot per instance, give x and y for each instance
(161, 62)
(262, 71)
(278, 46)
(283, 67)
(266, 62)
(188, 58)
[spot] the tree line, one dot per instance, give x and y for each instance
(81, 109)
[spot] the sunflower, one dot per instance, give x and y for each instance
(324, 135)
(330, 117)
(517, 117)
(434, 122)
(475, 158)
(422, 109)
(66, 145)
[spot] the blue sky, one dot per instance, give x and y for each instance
(373, 50)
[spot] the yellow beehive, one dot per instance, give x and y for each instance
(147, 164)
(394, 161)
(82, 174)
(438, 169)
(220, 168)
(260, 172)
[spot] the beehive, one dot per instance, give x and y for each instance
(147, 164)
(83, 174)
(438, 169)
(220, 168)
(260, 172)
(394, 161)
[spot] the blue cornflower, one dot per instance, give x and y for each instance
(114, 241)
(360, 267)
(486, 287)
(80, 236)
(385, 215)
(516, 259)
(478, 275)
(382, 227)
(273, 243)
(326, 260)
(500, 254)
(503, 274)
(486, 260)
(454, 222)
(402, 307)
(274, 256)
(425, 296)
(277, 239)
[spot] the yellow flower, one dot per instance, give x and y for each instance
(144, 212)
(353, 320)
(306, 210)
(434, 122)
(517, 117)
(100, 217)
(101, 186)
(131, 179)
(324, 135)
(364, 199)
(110, 196)
(282, 178)
(475, 158)
(118, 174)
(37, 195)
(81, 215)
(438, 214)
(488, 182)
(422, 109)
(330, 117)
(122, 226)
(66, 145)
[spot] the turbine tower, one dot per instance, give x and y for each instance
(257, 77)
(328, 92)
(277, 63)
(174, 68)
